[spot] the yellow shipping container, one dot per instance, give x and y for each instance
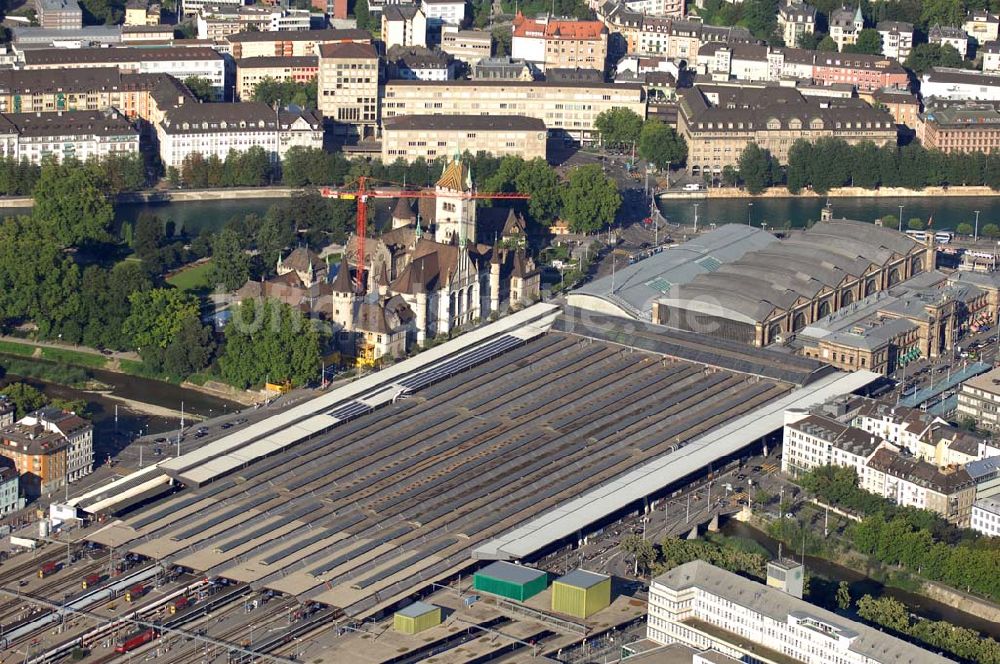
(581, 594)
(416, 618)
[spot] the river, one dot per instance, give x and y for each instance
(110, 436)
(827, 575)
(777, 212)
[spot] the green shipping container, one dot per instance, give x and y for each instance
(416, 618)
(510, 581)
(581, 593)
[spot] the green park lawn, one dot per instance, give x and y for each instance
(192, 278)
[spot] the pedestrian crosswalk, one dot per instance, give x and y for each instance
(738, 497)
(770, 467)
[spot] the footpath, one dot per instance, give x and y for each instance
(839, 192)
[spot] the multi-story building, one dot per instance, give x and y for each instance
(947, 83)
(418, 64)
(468, 46)
(134, 34)
(567, 109)
(181, 63)
(986, 517)
(902, 105)
(636, 33)
(443, 12)
(971, 127)
(217, 22)
(796, 19)
(897, 38)
(718, 122)
(410, 137)
(954, 37)
(218, 129)
(705, 607)
(59, 14)
(48, 448)
(295, 43)
(668, 8)
(845, 26)
(140, 13)
(949, 491)
(348, 88)
(746, 62)
(547, 42)
(191, 7)
(10, 489)
(991, 57)
(982, 26)
(404, 25)
(501, 69)
(811, 440)
(82, 135)
(979, 400)
(251, 71)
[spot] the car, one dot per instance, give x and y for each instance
(161, 439)
(107, 351)
(201, 434)
(741, 477)
(227, 425)
(757, 469)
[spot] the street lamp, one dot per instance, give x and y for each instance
(749, 210)
(976, 236)
(696, 218)
(900, 218)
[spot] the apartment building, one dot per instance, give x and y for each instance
(501, 69)
(404, 25)
(139, 13)
(954, 37)
(991, 57)
(418, 64)
(348, 87)
(902, 105)
(909, 482)
(191, 7)
(796, 20)
(567, 109)
(704, 607)
(216, 23)
(410, 137)
(897, 39)
(985, 517)
(443, 12)
(288, 44)
(95, 89)
(217, 129)
(178, 62)
(982, 26)
(563, 43)
(10, 489)
(82, 135)
(468, 46)
(749, 62)
(812, 440)
(668, 8)
(59, 14)
(719, 121)
(971, 127)
(251, 71)
(48, 447)
(845, 25)
(636, 33)
(979, 400)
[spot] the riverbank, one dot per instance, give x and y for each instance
(176, 196)
(840, 192)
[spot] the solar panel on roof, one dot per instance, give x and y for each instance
(710, 263)
(222, 516)
(660, 284)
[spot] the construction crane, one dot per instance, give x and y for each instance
(361, 192)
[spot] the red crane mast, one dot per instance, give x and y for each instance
(361, 193)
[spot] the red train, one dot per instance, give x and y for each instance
(179, 605)
(135, 593)
(47, 570)
(91, 581)
(137, 640)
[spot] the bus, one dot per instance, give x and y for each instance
(940, 237)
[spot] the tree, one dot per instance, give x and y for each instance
(501, 41)
(230, 263)
(810, 41)
(642, 551)
(915, 224)
(618, 126)
(964, 228)
(991, 230)
(269, 341)
(156, 316)
(869, 41)
(102, 12)
(189, 351)
(943, 12)
(827, 44)
(844, 596)
(925, 56)
(756, 168)
(147, 238)
(273, 92)
(363, 15)
(730, 176)
(661, 145)
(590, 199)
(539, 180)
(25, 397)
(70, 204)
(201, 88)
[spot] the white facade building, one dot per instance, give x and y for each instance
(954, 37)
(811, 440)
(796, 20)
(845, 25)
(195, 6)
(78, 432)
(443, 12)
(63, 135)
(897, 39)
(217, 129)
(945, 83)
(705, 607)
(986, 517)
(403, 25)
(991, 57)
